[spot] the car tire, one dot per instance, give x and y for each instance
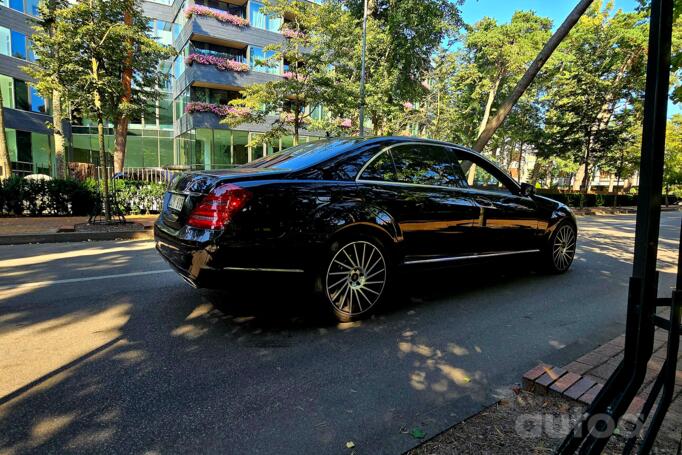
(353, 277)
(559, 251)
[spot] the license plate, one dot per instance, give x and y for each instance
(176, 202)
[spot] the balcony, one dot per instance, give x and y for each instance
(207, 28)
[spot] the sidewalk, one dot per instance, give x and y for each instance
(25, 230)
(583, 378)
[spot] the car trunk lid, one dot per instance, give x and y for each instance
(187, 190)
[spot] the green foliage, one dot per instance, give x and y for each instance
(672, 165)
(19, 196)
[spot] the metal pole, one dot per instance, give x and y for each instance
(362, 72)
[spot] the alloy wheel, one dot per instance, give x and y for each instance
(356, 277)
(563, 248)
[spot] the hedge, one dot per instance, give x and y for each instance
(19, 196)
(599, 200)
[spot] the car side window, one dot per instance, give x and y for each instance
(479, 176)
(381, 169)
(425, 164)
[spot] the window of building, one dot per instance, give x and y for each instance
(223, 6)
(37, 101)
(166, 111)
(222, 148)
(7, 87)
(425, 165)
(260, 20)
(263, 61)
(21, 95)
(32, 7)
(18, 45)
(17, 5)
(200, 47)
(240, 149)
(5, 43)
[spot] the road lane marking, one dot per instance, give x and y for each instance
(40, 284)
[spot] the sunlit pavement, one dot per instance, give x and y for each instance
(103, 349)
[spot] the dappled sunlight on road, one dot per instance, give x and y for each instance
(437, 371)
(612, 237)
(50, 344)
(77, 253)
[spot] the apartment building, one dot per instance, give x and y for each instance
(220, 46)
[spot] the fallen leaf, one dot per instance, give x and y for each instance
(417, 433)
(350, 444)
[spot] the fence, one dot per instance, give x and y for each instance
(24, 168)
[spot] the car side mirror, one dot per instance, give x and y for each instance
(527, 190)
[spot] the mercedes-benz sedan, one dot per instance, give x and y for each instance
(348, 214)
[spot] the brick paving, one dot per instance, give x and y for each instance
(51, 224)
(582, 379)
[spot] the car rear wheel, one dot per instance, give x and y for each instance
(355, 278)
(560, 249)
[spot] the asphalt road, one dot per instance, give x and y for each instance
(103, 349)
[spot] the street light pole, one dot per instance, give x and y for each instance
(362, 72)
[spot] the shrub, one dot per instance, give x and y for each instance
(19, 196)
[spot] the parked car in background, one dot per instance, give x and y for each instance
(348, 214)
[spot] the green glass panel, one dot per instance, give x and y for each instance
(7, 87)
(240, 140)
(202, 147)
(11, 135)
(134, 152)
(287, 141)
(166, 151)
(40, 148)
(150, 150)
(222, 146)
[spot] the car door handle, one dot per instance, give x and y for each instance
(484, 202)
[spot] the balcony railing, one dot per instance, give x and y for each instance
(227, 55)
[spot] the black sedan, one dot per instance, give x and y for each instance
(348, 214)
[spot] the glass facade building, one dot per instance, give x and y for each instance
(168, 134)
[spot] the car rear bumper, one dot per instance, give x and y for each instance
(214, 263)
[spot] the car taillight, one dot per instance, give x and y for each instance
(217, 207)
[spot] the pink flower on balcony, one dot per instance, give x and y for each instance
(222, 16)
(289, 33)
(220, 110)
(407, 105)
(346, 123)
(292, 75)
(223, 64)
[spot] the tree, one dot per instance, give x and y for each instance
(309, 78)
(98, 38)
(54, 57)
(596, 84)
(530, 74)
(672, 165)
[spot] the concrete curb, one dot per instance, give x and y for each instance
(22, 239)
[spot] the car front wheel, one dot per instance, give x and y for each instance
(560, 249)
(355, 277)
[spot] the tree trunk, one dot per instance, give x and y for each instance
(489, 103)
(615, 195)
(667, 191)
(100, 140)
(103, 166)
(611, 182)
(530, 74)
(578, 178)
(5, 164)
(122, 122)
(520, 163)
(58, 132)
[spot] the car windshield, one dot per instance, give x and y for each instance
(304, 155)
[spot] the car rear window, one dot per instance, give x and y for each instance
(304, 155)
